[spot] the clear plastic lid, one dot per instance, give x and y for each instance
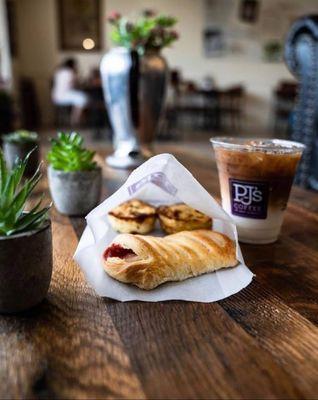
(278, 146)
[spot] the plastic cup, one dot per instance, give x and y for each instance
(256, 176)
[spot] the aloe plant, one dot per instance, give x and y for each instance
(68, 154)
(14, 193)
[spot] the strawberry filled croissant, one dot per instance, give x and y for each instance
(148, 261)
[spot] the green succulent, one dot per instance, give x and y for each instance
(68, 154)
(14, 193)
(21, 136)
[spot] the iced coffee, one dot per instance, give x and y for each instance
(255, 179)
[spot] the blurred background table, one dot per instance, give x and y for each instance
(260, 343)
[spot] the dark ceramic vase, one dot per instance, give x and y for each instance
(75, 193)
(14, 150)
(25, 269)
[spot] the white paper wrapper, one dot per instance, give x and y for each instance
(161, 180)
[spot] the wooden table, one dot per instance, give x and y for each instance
(260, 343)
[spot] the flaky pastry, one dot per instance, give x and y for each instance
(133, 216)
(181, 217)
(148, 261)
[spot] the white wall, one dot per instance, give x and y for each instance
(39, 51)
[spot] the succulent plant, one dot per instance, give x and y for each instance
(14, 193)
(21, 136)
(68, 154)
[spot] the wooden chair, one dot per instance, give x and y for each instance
(284, 98)
(231, 107)
(62, 116)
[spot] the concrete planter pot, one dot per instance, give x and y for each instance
(25, 269)
(14, 150)
(75, 193)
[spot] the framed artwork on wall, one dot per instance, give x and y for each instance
(79, 24)
(249, 10)
(213, 42)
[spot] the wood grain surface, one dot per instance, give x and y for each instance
(260, 343)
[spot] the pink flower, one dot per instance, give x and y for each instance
(114, 16)
(174, 35)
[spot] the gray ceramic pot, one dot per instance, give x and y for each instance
(13, 150)
(75, 193)
(25, 269)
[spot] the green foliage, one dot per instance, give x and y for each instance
(14, 194)
(149, 32)
(21, 136)
(273, 50)
(68, 154)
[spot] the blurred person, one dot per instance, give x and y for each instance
(64, 92)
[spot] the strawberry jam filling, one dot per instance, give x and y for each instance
(116, 250)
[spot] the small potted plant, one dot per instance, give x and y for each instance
(25, 241)
(17, 145)
(74, 178)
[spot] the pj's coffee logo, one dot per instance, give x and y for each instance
(249, 199)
